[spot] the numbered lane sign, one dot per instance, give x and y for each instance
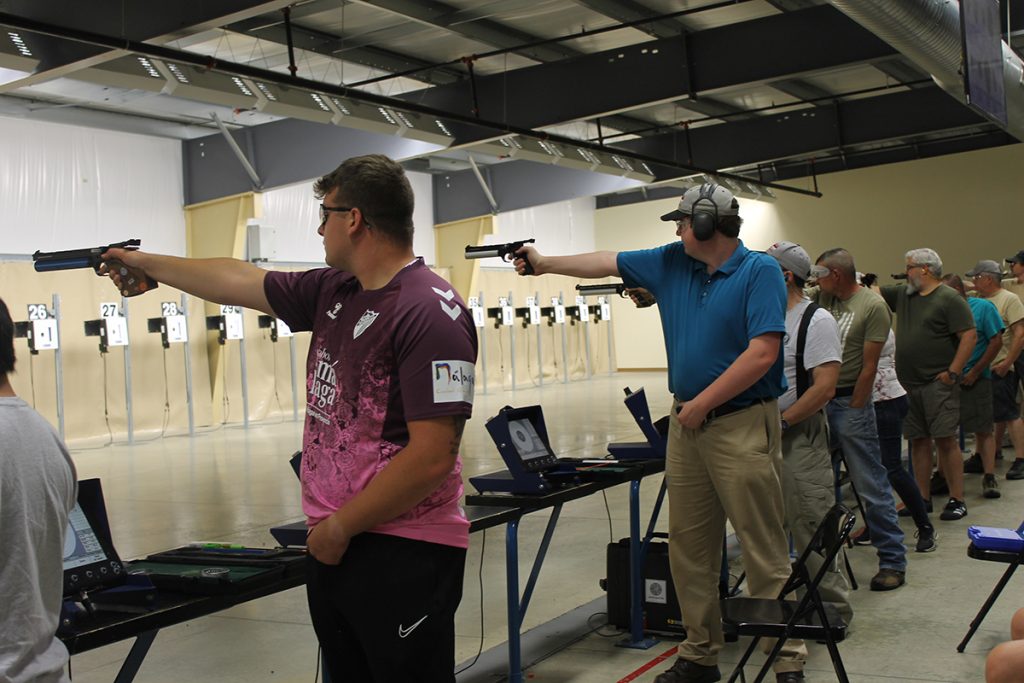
(177, 329)
(110, 310)
(168, 308)
(117, 331)
(44, 335)
(508, 314)
(38, 312)
(531, 303)
(559, 308)
(477, 310)
(581, 309)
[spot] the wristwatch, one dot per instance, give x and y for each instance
(953, 375)
(785, 424)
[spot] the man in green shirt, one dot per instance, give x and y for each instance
(935, 336)
(864, 321)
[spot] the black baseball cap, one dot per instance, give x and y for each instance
(1017, 258)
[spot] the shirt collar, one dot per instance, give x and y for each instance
(731, 265)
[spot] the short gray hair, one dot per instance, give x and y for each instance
(926, 257)
(840, 259)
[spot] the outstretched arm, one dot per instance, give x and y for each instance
(591, 265)
(220, 280)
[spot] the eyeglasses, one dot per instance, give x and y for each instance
(820, 272)
(911, 266)
(325, 211)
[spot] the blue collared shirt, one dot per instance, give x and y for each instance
(709, 320)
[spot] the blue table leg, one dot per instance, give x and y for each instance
(515, 667)
(516, 607)
(637, 557)
(136, 655)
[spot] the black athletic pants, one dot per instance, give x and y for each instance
(387, 612)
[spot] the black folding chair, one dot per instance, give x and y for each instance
(842, 478)
(808, 618)
(1009, 557)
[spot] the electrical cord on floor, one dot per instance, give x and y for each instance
(597, 629)
(480, 577)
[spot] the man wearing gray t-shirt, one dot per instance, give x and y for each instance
(37, 492)
(812, 369)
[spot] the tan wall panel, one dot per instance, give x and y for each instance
(216, 229)
(85, 382)
(450, 240)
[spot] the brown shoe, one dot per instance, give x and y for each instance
(888, 579)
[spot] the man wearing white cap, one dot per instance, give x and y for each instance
(987, 276)
(722, 311)
(812, 353)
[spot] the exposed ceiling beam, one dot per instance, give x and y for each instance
(625, 11)
(360, 50)
(339, 47)
(801, 90)
(908, 151)
(902, 70)
(812, 130)
(794, 5)
(709, 106)
(486, 31)
(665, 70)
(138, 20)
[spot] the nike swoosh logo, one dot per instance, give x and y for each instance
(403, 632)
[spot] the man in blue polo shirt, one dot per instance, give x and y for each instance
(723, 312)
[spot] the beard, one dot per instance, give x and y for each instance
(913, 287)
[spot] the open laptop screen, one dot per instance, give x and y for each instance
(527, 441)
(90, 560)
(81, 547)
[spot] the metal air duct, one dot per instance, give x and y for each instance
(927, 32)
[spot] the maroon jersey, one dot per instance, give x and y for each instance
(378, 359)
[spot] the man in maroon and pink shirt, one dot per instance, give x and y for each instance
(389, 382)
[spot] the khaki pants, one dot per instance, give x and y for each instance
(728, 468)
(808, 492)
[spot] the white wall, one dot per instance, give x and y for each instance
(65, 187)
(559, 228)
(292, 213)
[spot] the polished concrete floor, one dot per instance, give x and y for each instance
(232, 484)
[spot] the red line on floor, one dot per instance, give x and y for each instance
(648, 666)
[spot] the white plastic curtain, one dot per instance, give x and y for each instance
(291, 212)
(66, 187)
